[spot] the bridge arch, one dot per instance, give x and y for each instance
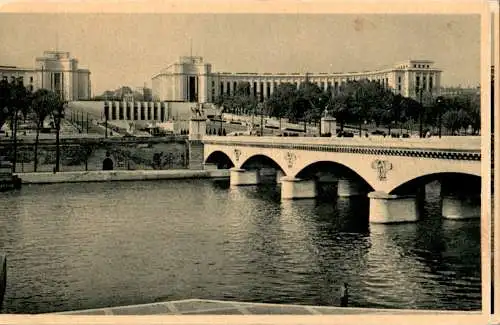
(332, 168)
(461, 182)
(221, 159)
(259, 161)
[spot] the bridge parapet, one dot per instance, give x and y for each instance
(459, 148)
(446, 143)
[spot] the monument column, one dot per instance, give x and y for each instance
(197, 129)
(328, 125)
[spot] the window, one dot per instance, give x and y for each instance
(430, 83)
(31, 79)
(399, 79)
(418, 81)
(424, 84)
(414, 65)
(399, 88)
(221, 88)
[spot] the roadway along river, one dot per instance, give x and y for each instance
(81, 246)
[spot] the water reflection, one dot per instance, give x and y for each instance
(105, 244)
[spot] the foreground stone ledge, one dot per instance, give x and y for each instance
(219, 307)
(117, 175)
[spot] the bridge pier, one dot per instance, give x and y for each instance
(456, 207)
(279, 175)
(388, 208)
(296, 188)
(240, 177)
(348, 187)
(267, 175)
(460, 201)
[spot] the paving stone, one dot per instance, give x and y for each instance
(278, 310)
(88, 312)
(141, 310)
(229, 311)
(184, 306)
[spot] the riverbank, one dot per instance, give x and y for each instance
(118, 175)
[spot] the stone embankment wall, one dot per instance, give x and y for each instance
(118, 175)
(89, 155)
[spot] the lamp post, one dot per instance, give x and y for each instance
(439, 102)
(106, 114)
(58, 115)
(419, 91)
(220, 118)
(261, 109)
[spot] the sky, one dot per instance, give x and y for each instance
(128, 49)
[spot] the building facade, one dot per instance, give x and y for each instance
(56, 71)
(192, 80)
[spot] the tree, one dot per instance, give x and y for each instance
(14, 100)
(450, 120)
(43, 103)
(312, 100)
(57, 113)
(280, 103)
(5, 101)
(341, 106)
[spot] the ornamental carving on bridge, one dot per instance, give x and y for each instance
(382, 167)
(290, 158)
(237, 154)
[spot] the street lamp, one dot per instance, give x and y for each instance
(220, 117)
(419, 90)
(58, 115)
(439, 102)
(106, 114)
(261, 109)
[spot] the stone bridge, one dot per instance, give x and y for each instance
(392, 172)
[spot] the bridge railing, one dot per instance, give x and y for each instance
(451, 143)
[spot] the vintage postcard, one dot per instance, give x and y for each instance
(248, 162)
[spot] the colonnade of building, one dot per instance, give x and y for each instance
(191, 79)
(136, 111)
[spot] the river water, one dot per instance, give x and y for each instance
(92, 245)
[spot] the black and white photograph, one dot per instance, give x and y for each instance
(244, 163)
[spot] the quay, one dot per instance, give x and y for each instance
(117, 175)
(222, 307)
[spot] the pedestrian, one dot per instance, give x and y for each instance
(344, 295)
